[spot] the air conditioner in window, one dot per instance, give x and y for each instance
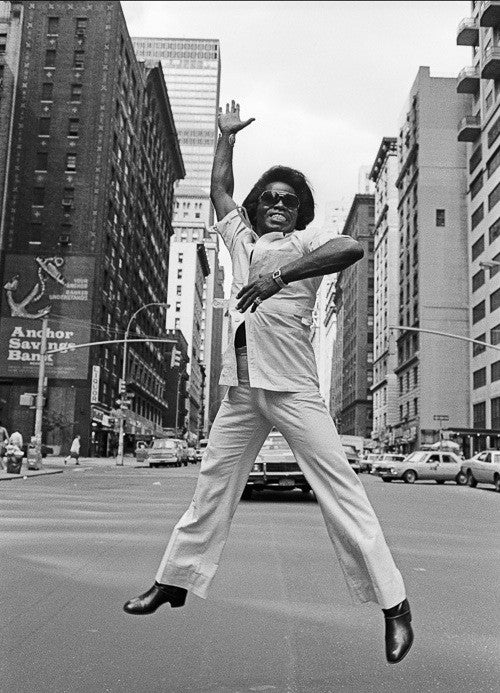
(64, 239)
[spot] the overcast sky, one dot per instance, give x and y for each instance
(324, 80)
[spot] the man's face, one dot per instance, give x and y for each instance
(276, 215)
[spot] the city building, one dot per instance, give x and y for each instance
(94, 158)
(433, 263)
(356, 292)
(11, 14)
(192, 69)
(479, 128)
(335, 400)
(384, 173)
(188, 272)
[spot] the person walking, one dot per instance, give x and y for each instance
(74, 451)
(270, 370)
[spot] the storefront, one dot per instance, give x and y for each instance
(472, 440)
(103, 437)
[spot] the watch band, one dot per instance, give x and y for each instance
(278, 279)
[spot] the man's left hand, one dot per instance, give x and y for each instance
(253, 294)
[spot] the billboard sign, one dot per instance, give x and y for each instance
(35, 287)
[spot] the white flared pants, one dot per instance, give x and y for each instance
(243, 422)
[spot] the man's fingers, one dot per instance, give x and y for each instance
(247, 122)
(227, 108)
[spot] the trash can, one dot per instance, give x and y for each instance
(13, 464)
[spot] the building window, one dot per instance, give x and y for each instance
(478, 280)
(53, 26)
(475, 159)
(494, 231)
(494, 300)
(179, 274)
(440, 217)
(476, 186)
(493, 163)
(50, 58)
(38, 196)
(70, 162)
(478, 312)
(495, 371)
(73, 127)
(43, 126)
(3, 43)
(41, 161)
(47, 90)
(178, 307)
(479, 415)
(415, 406)
(76, 93)
(78, 60)
(479, 378)
(479, 348)
(495, 334)
(81, 25)
(494, 196)
(477, 216)
(478, 247)
(495, 412)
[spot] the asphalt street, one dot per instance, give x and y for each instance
(76, 545)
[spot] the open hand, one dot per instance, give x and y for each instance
(253, 294)
(230, 121)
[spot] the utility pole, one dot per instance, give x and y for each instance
(39, 396)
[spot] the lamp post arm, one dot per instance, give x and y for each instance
(445, 334)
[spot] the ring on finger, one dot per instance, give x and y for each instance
(258, 301)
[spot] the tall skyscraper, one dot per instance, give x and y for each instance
(386, 289)
(480, 129)
(87, 225)
(192, 73)
(433, 261)
(356, 293)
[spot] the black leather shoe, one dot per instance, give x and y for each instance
(398, 632)
(159, 594)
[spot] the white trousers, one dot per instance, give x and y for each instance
(243, 422)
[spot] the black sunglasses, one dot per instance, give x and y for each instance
(272, 197)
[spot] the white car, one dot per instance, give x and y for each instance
(483, 468)
(424, 465)
(388, 459)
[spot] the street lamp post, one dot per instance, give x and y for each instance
(119, 458)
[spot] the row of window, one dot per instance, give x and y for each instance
(404, 410)
(479, 310)
(479, 376)
(78, 58)
(493, 233)
(42, 161)
(479, 413)
(494, 339)
(75, 94)
(53, 25)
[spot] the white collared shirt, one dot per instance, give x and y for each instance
(280, 353)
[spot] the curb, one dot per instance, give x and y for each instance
(5, 476)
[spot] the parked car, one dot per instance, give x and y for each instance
(387, 459)
(422, 465)
(167, 451)
(352, 457)
(275, 468)
(483, 468)
(368, 460)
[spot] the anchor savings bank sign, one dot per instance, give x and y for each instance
(55, 287)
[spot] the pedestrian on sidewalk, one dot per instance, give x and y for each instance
(74, 451)
(270, 368)
(4, 439)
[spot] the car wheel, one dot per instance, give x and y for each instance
(461, 479)
(247, 493)
(409, 477)
(386, 481)
(470, 480)
(496, 481)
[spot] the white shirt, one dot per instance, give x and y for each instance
(280, 354)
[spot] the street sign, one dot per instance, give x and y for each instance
(441, 417)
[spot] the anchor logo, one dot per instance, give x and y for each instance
(48, 268)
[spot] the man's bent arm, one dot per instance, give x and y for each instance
(333, 256)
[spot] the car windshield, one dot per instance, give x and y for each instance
(417, 456)
(165, 444)
(393, 458)
(350, 448)
(275, 443)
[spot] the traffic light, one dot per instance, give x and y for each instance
(175, 359)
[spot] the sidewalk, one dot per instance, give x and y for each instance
(55, 465)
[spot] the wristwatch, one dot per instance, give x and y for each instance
(278, 279)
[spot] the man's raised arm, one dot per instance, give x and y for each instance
(222, 183)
